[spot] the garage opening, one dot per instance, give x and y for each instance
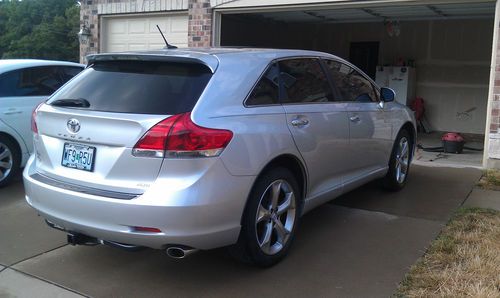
(439, 52)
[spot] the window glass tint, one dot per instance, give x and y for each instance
(8, 83)
(351, 85)
(266, 90)
(304, 81)
(34, 81)
(68, 72)
(140, 87)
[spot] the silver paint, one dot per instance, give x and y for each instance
(200, 202)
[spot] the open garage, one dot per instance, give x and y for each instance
(444, 48)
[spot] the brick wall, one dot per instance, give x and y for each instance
(89, 17)
(200, 23)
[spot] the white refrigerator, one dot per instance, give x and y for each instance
(401, 79)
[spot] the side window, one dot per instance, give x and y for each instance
(266, 91)
(68, 72)
(41, 80)
(8, 83)
(351, 85)
(304, 81)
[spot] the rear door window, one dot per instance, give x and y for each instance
(139, 87)
(304, 81)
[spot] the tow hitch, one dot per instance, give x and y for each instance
(80, 239)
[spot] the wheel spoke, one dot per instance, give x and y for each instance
(5, 165)
(281, 231)
(266, 241)
(398, 171)
(404, 166)
(4, 154)
(262, 214)
(289, 197)
(275, 194)
(404, 149)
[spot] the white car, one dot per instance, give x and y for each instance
(24, 83)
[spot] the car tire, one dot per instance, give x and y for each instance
(10, 161)
(270, 219)
(399, 164)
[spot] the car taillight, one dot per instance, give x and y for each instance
(178, 136)
(34, 127)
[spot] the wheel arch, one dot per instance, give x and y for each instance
(290, 162)
(13, 140)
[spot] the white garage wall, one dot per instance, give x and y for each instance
(452, 58)
(453, 64)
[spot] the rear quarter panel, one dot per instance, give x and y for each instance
(259, 133)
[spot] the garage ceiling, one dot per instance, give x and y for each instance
(374, 14)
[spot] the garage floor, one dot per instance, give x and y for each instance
(468, 158)
(361, 244)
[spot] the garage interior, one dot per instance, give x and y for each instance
(448, 46)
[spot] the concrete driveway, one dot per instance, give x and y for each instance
(361, 244)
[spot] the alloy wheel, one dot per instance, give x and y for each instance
(275, 218)
(402, 159)
(6, 161)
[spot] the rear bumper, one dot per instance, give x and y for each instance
(199, 214)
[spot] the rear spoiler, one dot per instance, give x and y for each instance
(210, 61)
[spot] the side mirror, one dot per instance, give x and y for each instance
(387, 94)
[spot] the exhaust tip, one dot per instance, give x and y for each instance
(176, 252)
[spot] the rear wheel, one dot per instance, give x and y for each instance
(270, 219)
(10, 161)
(399, 164)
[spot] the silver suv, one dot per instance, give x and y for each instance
(193, 149)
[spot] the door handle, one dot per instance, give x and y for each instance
(354, 118)
(300, 122)
(12, 112)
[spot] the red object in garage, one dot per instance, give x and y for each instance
(417, 105)
(453, 142)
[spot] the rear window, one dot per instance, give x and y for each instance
(139, 87)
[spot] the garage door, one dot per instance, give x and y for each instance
(140, 33)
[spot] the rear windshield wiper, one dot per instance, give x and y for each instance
(71, 102)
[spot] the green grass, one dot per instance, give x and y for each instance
(490, 179)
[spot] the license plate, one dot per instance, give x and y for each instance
(78, 156)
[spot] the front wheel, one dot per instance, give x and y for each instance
(399, 164)
(270, 219)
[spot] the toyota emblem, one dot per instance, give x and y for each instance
(73, 125)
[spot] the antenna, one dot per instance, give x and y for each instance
(169, 46)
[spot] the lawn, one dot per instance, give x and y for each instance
(463, 261)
